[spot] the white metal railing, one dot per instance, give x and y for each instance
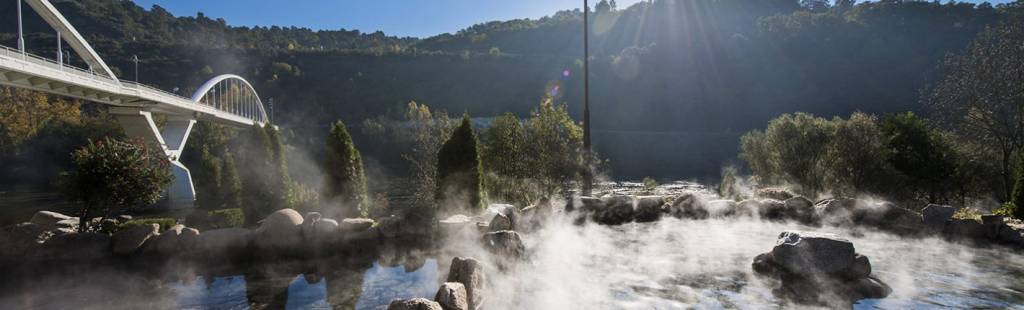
(91, 75)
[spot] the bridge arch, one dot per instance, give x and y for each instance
(232, 94)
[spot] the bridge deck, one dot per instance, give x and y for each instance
(34, 72)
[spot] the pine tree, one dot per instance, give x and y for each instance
(345, 181)
(231, 184)
(459, 171)
(208, 181)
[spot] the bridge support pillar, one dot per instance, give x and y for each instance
(138, 123)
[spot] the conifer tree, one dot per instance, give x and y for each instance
(345, 182)
(459, 171)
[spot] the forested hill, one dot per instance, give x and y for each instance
(678, 79)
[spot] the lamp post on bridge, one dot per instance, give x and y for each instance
(135, 59)
(21, 34)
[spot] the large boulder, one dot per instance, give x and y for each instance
(688, 206)
(500, 222)
(456, 225)
(616, 210)
(721, 208)
(964, 229)
(22, 240)
(175, 241)
(281, 230)
(776, 193)
(509, 211)
(892, 218)
(452, 296)
(505, 243)
(48, 220)
(128, 241)
(355, 225)
(585, 204)
(810, 253)
(800, 209)
(398, 227)
(649, 208)
(1011, 233)
(835, 211)
(414, 304)
(470, 273)
(227, 242)
(935, 216)
(819, 268)
(82, 247)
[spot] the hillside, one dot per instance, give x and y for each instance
(681, 78)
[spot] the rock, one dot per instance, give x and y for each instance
(585, 204)
(964, 229)
(47, 219)
(721, 208)
(649, 208)
(227, 242)
(819, 268)
(1011, 234)
(935, 216)
(898, 220)
(77, 247)
(281, 230)
(509, 211)
(414, 304)
(776, 193)
(308, 222)
(470, 273)
(688, 206)
(808, 253)
(123, 218)
(326, 230)
(506, 243)
(616, 210)
(835, 211)
(22, 240)
(452, 296)
(355, 224)
(500, 222)
(456, 225)
(749, 207)
(800, 209)
(767, 209)
(175, 241)
(128, 241)
(396, 227)
(993, 225)
(861, 268)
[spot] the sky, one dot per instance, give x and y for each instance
(416, 18)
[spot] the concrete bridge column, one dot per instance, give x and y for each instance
(138, 123)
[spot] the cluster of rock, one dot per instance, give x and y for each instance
(50, 236)
(842, 212)
(819, 268)
(463, 290)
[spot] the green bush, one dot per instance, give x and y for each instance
(112, 176)
(459, 171)
(217, 219)
(345, 183)
(165, 223)
(1016, 204)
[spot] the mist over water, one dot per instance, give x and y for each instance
(669, 264)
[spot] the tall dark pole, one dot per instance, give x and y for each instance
(588, 174)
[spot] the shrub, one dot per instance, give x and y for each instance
(112, 176)
(459, 171)
(217, 219)
(650, 185)
(1016, 203)
(165, 223)
(503, 150)
(556, 147)
(344, 183)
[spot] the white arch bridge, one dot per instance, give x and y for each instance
(226, 99)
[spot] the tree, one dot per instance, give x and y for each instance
(919, 153)
(112, 176)
(556, 147)
(980, 97)
(459, 171)
(503, 153)
(230, 184)
(254, 153)
(602, 7)
(855, 160)
(208, 188)
(345, 182)
(792, 149)
(1016, 203)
